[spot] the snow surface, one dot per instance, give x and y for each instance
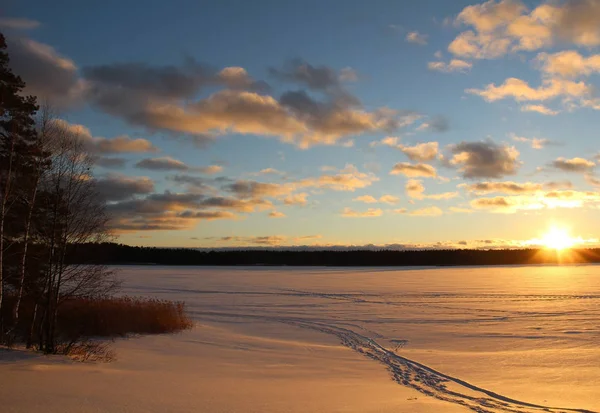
(502, 339)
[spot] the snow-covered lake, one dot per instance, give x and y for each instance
(501, 339)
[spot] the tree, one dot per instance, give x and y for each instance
(16, 133)
(48, 207)
(38, 165)
(71, 213)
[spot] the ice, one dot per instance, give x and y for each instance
(279, 339)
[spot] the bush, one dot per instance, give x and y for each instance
(80, 319)
(117, 317)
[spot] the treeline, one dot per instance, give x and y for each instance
(119, 254)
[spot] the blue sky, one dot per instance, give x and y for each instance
(433, 123)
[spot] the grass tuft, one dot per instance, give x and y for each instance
(120, 316)
(81, 321)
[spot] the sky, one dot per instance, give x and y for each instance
(278, 123)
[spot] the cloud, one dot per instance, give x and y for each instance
(163, 98)
(348, 179)
(420, 152)
(592, 180)
(385, 199)
(491, 15)
(348, 74)
(158, 96)
(427, 212)
(153, 81)
(176, 211)
(500, 27)
(520, 90)
(121, 187)
(535, 143)
(507, 187)
(307, 238)
(553, 185)
(414, 188)
(443, 195)
(296, 199)
(110, 163)
(121, 144)
(18, 23)
(207, 215)
(48, 74)
(454, 66)
(270, 171)
(578, 21)
(301, 72)
(238, 78)
(254, 189)
(332, 121)
(414, 170)
(253, 193)
(165, 222)
(159, 203)
(544, 110)
(371, 212)
(435, 124)
(240, 205)
(579, 165)
(266, 240)
(538, 201)
(276, 214)
(417, 38)
(194, 183)
(499, 204)
(100, 145)
(367, 199)
(568, 63)
(389, 199)
(166, 163)
(485, 159)
(296, 118)
(478, 46)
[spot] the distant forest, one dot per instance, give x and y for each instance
(111, 253)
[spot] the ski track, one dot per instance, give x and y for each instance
(426, 380)
(405, 371)
(413, 374)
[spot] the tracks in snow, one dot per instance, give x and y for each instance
(427, 380)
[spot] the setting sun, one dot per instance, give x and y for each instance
(558, 239)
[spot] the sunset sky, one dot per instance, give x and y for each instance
(266, 123)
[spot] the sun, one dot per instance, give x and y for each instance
(558, 239)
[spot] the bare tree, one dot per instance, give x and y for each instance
(74, 214)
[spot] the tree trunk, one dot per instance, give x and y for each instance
(32, 327)
(3, 211)
(17, 306)
(48, 325)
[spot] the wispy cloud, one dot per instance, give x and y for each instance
(416, 37)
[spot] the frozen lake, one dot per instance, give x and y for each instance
(499, 339)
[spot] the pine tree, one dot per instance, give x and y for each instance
(17, 133)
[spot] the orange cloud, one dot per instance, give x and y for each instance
(369, 213)
(414, 170)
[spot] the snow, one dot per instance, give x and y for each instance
(332, 340)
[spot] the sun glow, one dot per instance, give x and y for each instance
(558, 239)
